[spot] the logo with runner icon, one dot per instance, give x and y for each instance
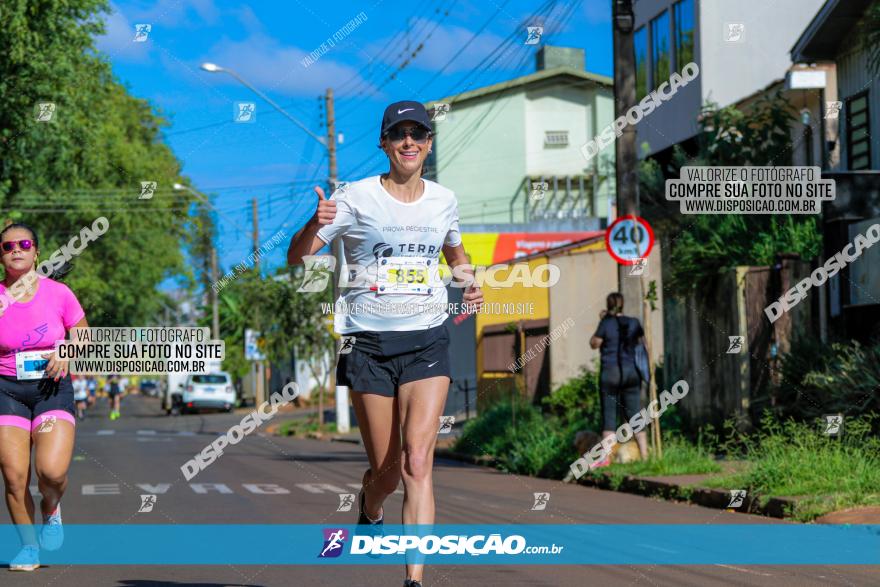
(347, 344)
(334, 542)
(346, 501)
(737, 497)
(541, 501)
(736, 344)
(147, 503)
(833, 424)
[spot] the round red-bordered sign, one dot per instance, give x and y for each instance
(620, 241)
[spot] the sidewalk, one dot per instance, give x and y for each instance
(689, 488)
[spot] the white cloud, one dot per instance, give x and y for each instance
(118, 40)
(274, 68)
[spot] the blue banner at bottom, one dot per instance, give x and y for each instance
(584, 544)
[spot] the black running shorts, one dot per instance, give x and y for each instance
(26, 404)
(379, 362)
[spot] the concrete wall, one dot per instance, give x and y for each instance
(487, 146)
(732, 71)
(481, 155)
(729, 71)
(556, 108)
(586, 278)
(603, 164)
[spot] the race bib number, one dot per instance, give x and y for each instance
(30, 365)
(406, 275)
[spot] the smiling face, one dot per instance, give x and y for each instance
(18, 261)
(406, 155)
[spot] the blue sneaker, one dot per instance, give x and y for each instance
(52, 535)
(27, 559)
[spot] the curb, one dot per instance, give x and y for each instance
(775, 507)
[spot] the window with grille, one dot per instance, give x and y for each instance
(556, 138)
(858, 140)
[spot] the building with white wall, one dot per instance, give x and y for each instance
(496, 141)
(740, 47)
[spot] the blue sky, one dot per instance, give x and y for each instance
(266, 41)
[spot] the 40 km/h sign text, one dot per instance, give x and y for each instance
(629, 239)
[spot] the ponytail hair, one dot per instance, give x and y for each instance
(614, 303)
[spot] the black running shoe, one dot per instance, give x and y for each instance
(412, 583)
(363, 520)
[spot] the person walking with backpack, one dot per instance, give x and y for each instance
(621, 343)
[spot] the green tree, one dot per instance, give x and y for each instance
(705, 246)
(89, 161)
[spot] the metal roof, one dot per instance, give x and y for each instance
(532, 78)
(828, 29)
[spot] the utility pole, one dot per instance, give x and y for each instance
(342, 420)
(215, 308)
(625, 147)
(256, 229)
(626, 158)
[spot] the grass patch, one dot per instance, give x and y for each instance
(679, 458)
(305, 426)
(792, 459)
(521, 438)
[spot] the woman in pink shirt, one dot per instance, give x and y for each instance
(36, 400)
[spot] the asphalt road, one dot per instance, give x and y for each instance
(271, 480)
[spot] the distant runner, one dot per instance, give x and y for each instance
(114, 391)
(80, 396)
(398, 367)
(36, 395)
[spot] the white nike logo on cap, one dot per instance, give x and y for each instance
(407, 110)
(432, 364)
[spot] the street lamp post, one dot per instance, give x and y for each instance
(329, 143)
(215, 310)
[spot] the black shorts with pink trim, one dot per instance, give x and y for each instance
(27, 404)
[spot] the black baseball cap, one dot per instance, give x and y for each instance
(405, 110)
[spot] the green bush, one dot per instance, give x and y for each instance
(522, 441)
(822, 379)
(576, 402)
(797, 459)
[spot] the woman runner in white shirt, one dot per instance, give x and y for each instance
(394, 227)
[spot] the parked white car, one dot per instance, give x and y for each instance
(208, 391)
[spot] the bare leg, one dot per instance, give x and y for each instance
(53, 452)
(380, 430)
(642, 441)
(15, 464)
(421, 405)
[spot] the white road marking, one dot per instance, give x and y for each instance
(106, 432)
(154, 439)
(150, 432)
(101, 489)
(265, 488)
(155, 489)
(206, 487)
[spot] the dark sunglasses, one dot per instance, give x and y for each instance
(24, 244)
(418, 134)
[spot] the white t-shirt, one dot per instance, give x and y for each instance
(374, 225)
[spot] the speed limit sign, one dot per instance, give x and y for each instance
(628, 239)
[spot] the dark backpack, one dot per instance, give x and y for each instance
(635, 348)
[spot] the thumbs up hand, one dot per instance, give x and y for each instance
(326, 212)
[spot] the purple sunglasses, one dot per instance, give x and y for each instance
(24, 244)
